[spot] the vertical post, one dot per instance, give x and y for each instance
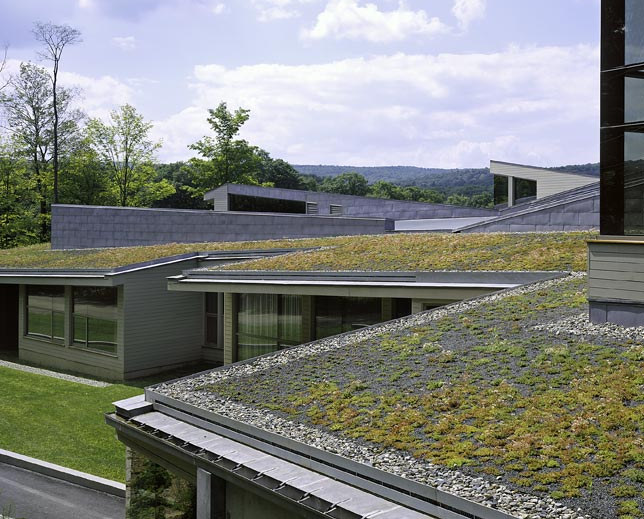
(510, 191)
(204, 495)
(211, 496)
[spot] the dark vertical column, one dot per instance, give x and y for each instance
(9, 318)
(612, 114)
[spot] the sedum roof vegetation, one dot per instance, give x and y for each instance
(520, 390)
(415, 252)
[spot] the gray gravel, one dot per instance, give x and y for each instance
(53, 374)
(476, 489)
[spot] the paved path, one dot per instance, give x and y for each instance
(53, 374)
(34, 496)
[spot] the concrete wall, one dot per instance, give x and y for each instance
(77, 227)
(549, 182)
(575, 215)
(357, 206)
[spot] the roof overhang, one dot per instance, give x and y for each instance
(445, 286)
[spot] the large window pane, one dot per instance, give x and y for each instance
(633, 183)
(267, 322)
(46, 312)
(101, 335)
(500, 190)
(290, 319)
(97, 302)
(80, 329)
(634, 31)
(634, 97)
(95, 318)
(249, 347)
(335, 315)
(524, 190)
(39, 322)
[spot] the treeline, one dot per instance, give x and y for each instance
(52, 152)
(348, 183)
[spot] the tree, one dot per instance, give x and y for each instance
(18, 201)
(225, 158)
(346, 184)
(3, 64)
(276, 172)
(124, 147)
(28, 110)
(55, 38)
(87, 178)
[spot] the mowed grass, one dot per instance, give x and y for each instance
(62, 422)
(420, 251)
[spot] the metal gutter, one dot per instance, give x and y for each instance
(408, 493)
(290, 482)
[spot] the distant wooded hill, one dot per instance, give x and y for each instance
(466, 181)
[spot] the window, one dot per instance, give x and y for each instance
(334, 315)
(622, 118)
(335, 210)
(633, 31)
(311, 208)
(214, 314)
(266, 323)
(260, 204)
(524, 190)
(46, 312)
(95, 318)
(500, 190)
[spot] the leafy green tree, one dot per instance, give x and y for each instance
(148, 487)
(28, 110)
(18, 200)
(346, 184)
(123, 145)
(179, 175)
(276, 172)
(87, 178)
(457, 199)
(225, 158)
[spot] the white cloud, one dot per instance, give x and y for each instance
(269, 10)
(98, 95)
(536, 105)
(348, 19)
(218, 8)
(126, 43)
(466, 11)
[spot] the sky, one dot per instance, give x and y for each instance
(429, 83)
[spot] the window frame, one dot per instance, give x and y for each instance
(51, 339)
(86, 344)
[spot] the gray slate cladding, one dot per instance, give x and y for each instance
(357, 206)
(79, 227)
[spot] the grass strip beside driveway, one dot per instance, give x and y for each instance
(62, 422)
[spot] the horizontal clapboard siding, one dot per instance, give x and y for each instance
(162, 328)
(549, 182)
(616, 271)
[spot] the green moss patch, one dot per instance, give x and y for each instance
(530, 251)
(486, 392)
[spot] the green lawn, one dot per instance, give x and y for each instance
(62, 422)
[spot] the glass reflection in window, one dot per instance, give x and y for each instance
(46, 312)
(95, 318)
(633, 183)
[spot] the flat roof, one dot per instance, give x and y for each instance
(518, 389)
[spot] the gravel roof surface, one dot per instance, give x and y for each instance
(513, 400)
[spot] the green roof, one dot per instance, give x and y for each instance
(519, 389)
(439, 251)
